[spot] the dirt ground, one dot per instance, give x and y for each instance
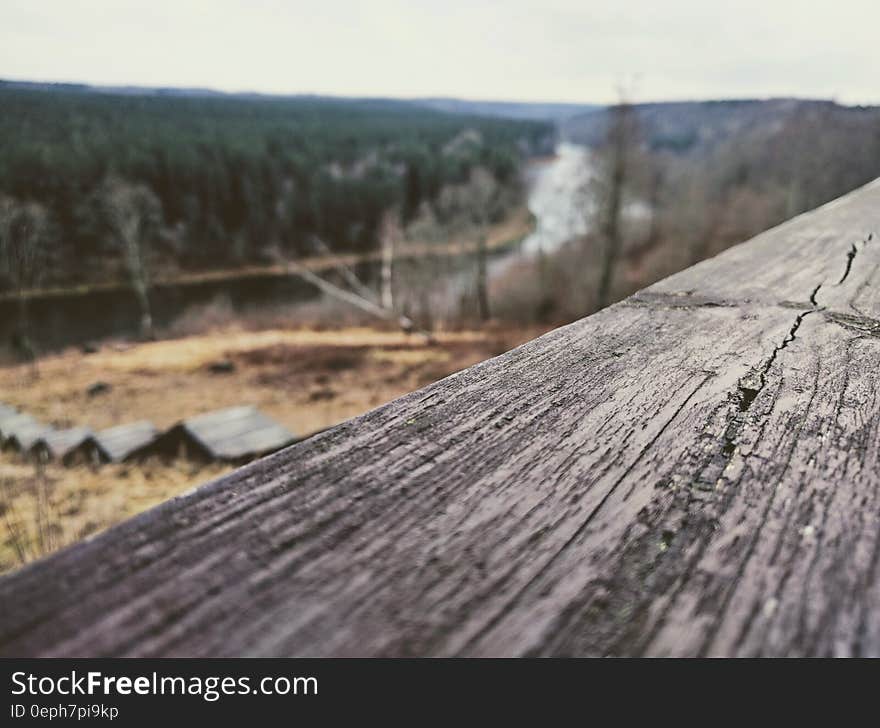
(303, 378)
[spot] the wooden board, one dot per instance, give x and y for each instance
(693, 471)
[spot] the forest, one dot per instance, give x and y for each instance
(213, 180)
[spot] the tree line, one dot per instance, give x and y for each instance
(217, 181)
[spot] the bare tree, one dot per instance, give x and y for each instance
(133, 214)
(616, 156)
(23, 232)
(482, 282)
(390, 231)
(482, 189)
(346, 271)
(365, 304)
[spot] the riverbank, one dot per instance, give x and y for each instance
(517, 226)
(64, 317)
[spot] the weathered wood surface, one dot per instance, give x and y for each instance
(693, 471)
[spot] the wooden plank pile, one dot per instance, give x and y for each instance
(692, 471)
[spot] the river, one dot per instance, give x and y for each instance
(558, 198)
(555, 198)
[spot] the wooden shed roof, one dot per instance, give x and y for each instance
(21, 432)
(117, 444)
(231, 434)
(11, 420)
(56, 444)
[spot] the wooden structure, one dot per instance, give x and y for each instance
(234, 434)
(116, 444)
(18, 430)
(692, 471)
(10, 419)
(58, 444)
(21, 433)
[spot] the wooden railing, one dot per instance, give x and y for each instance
(695, 470)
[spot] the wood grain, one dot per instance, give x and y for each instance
(693, 471)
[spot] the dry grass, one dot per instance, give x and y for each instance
(47, 507)
(304, 378)
(275, 370)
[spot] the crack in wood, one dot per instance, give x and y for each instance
(748, 394)
(850, 256)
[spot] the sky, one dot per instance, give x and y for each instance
(554, 50)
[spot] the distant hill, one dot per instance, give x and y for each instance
(526, 111)
(195, 93)
(716, 173)
(557, 112)
(695, 127)
(793, 154)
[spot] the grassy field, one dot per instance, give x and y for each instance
(304, 378)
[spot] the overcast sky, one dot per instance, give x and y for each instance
(555, 50)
